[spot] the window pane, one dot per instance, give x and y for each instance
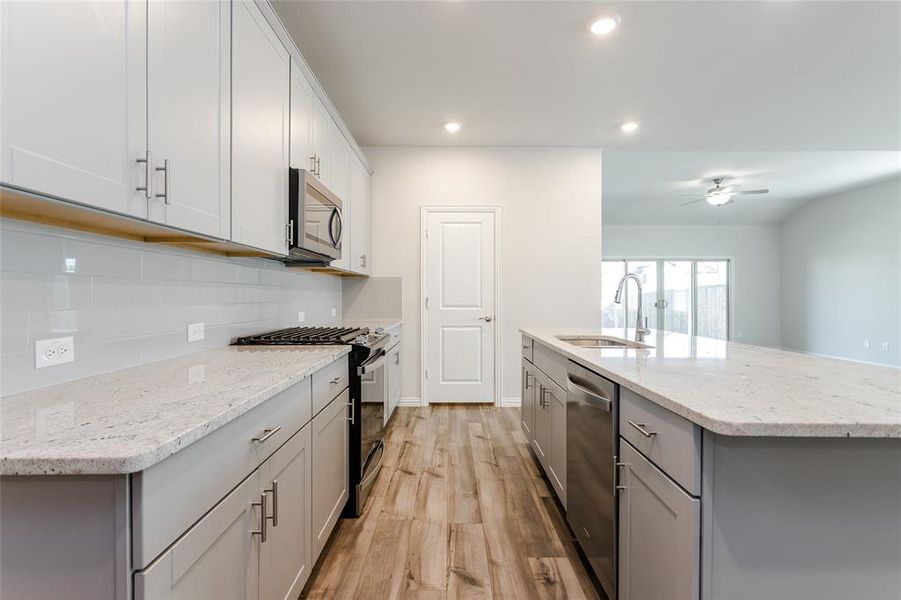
(713, 299)
(677, 296)
(612, 314)
(647, 272)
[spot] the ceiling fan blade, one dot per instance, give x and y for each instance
(692, 201)
(753, 192)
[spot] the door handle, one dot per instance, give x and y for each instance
(486, 319)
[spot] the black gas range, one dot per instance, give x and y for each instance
(367, 363)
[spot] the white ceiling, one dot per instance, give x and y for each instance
(762, 75)
(646, 187)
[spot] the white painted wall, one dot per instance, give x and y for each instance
(841, 274)
(755, 254)
(550, 261)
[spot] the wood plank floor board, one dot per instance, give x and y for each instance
(459, 510)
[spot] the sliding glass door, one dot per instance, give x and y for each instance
(688, 295)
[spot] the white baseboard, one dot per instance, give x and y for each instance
(511, 402)
(410, 402)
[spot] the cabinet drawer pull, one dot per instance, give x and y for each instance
(262, 530)
(640, 427)
(165, 170)
(267, 433)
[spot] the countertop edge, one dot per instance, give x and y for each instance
(150, 456)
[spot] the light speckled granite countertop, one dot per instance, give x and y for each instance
(741, 390)
(128, 420)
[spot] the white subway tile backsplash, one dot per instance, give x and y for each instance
(128, 303)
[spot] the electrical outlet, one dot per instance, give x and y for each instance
(195, 332)
(301, 317)
(866, 344)
(57, 351)
(334, 312)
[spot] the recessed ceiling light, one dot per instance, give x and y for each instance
(629, 126)
(605, 25)
(452, 127)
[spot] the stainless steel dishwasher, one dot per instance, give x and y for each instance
(591, 434)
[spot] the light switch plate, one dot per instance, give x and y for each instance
(56, 351)
(195, 332)
(885, 345)
(301, 317)
(334, 312)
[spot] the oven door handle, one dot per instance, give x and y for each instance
(373, 363)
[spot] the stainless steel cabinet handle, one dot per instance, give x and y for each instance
(363, 260)
(397, 358)
(165, 170)
(290, 235)
(337, 380)
(528, 375)
(313, 163)
(352, 412)
(641, 429)
(146, 188)
(525, 347)
(262, 530)
(274, 491)
(318, 166)
(267, 433)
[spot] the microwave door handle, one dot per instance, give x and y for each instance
(334, 218)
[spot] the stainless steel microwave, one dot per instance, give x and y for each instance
(314, 226)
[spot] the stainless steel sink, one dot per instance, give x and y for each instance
(599, 341)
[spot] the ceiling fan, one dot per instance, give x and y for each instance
(720, 195)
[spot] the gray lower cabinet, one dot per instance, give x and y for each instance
(659, 533)
(541, 432)
(394, 380)
(217, 558)
(286, 557)
(555, 401)
(527, 406)
(330, 468)
(227, 556)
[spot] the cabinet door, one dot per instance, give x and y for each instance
(527, 405)
(394, 380)
(330, 468)
(285, 557)
(659, 533)
(260, 131)
(217, 558)
(188, 114)
(320, 132)
(555, 399)
(542, 431)
(74, 109)
(339, 165)
(301, 121)
(361, 218)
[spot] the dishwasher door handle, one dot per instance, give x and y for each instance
(583, 394)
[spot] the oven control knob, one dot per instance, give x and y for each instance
(380, 331)
(361, 339)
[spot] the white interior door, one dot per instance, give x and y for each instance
(460, 307)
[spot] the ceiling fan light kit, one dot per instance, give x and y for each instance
(720, 195)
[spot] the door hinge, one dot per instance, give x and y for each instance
(426, 301)
(426, 234)
(426, 373)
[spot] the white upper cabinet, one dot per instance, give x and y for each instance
(301, 121)
(188, 114)
(339, 164)
(320, 139)
(73, 108)
(260, 131)
(361, 218)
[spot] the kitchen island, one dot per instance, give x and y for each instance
(740, 471)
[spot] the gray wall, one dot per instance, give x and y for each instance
(128, 303)
(841, 275)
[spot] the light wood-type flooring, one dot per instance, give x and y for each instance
(460, 510)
